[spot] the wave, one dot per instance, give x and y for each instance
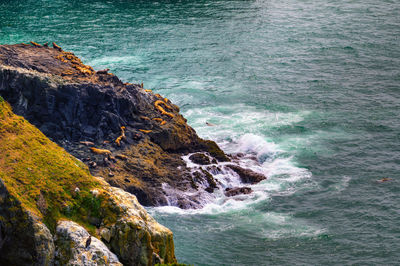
(257, 155)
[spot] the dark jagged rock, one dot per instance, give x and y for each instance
(247, 175)
(73, 106)
(230, 192)
(200, 158)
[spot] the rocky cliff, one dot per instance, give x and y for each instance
(54, 212)
(125, 133)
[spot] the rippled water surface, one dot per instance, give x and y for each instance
(310, 87)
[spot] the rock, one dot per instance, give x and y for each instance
(230, 192)
(214, 150)
(105, 234)
(71, 238)
(32, 202)
(200, 158)
(247, 175)
(210, 179)
(76, 108)
(24, 239)
(136, 236)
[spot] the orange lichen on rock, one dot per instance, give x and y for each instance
(100, 151)
(148, 90)
(145, 131)
(166, 100)
(118, 140)
(163, 122)
(35, 44)
(157, 105)
(158, 95)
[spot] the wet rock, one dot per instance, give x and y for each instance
(215, 151)
(200, 158)
(247, 175)
(230, 192)
(209, 189)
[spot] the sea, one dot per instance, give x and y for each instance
(310, 88)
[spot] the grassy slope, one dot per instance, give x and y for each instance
(43, 176)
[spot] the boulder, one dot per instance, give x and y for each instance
(136, 238)
(71, 240)
(200, 158)
(230, 192)
(247, 175)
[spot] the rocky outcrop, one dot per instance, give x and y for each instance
(200, 158)
(49, 204)
(231, 192)
(71, 239)
(135, 236)
(80, 108)
(24, 239)
(247, 175)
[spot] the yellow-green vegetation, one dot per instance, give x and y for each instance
(46, 179)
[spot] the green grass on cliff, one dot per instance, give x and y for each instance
(43, 176)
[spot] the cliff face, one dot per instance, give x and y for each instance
(50, 204)
(123, 132)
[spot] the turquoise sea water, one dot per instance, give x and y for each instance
(311, 87)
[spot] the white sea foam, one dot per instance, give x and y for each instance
(260, 156)
(111, 61)
(238, 133)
